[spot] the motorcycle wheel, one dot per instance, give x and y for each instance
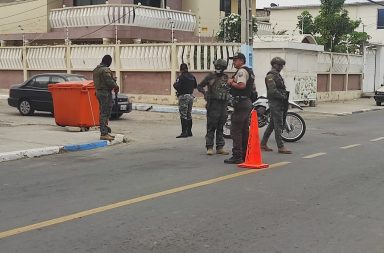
(298, 127)
(227, 127)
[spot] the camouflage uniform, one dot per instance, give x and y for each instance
(217, 101)
(185, 85)
(104, 83)
(185, 106)
(277, 96)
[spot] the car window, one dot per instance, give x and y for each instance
(41, 82)
(57, 79)
(31, 83)
(76, 78)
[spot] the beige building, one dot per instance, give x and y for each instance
(371, 15)
(105, 21)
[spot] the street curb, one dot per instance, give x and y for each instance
(164, 108)
(29, 153)
(345, 113)
(359, 111)
(37, 152)
(86, 146)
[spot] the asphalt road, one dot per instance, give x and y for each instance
(162, 194)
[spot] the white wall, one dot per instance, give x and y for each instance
(379, 79)
(286, 19)
(207, 15)
(300, 72)
(373, 69)
(33, 17)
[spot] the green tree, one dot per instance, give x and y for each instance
(230, 28)
(352, 43)
(335, 30)
(305, 23)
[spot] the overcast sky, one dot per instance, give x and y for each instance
(266, 3)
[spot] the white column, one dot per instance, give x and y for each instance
(25, 71)
(174, 68)
(118, 65)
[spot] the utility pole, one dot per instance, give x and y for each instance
(247, 31)
(116, 33)
(173, 31)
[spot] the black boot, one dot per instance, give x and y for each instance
(189, 130)
(184, 129)
(234, 160)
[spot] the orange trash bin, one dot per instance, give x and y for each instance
(75, 104)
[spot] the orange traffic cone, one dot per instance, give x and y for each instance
(253, 158)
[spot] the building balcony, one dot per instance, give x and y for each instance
(264, 28)
(122, 15)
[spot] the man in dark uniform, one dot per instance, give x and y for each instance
(278, 98)
(216, 95)
(184, 86)
(104, 84)
(242, 85)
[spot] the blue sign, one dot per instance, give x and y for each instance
(247, 50)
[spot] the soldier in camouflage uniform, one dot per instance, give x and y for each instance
(278, 98)
(216, 95)
(104, 84)
(185, 85)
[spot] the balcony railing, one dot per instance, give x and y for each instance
(131, 15)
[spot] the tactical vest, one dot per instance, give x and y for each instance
(217, 87)
(249, 85)
(186, 83)
(280, 84)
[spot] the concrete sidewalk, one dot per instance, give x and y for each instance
(337, 108)
(342, 108)
(43, 137)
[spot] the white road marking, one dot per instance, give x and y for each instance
(314, 155)
(378, 139)
(351, 146)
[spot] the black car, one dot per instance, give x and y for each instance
(33, 95)
(379, 95)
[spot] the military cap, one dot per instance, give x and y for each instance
(238, 55)
(220, 63)
(277, 60)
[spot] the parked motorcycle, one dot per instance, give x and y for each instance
(294, 127)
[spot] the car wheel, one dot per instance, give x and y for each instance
(378, 103)
(25, 107)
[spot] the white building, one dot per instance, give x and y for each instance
(371, 15)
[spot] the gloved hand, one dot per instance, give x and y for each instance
(116, 89)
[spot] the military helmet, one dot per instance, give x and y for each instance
(220, 64)
(278, 61)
